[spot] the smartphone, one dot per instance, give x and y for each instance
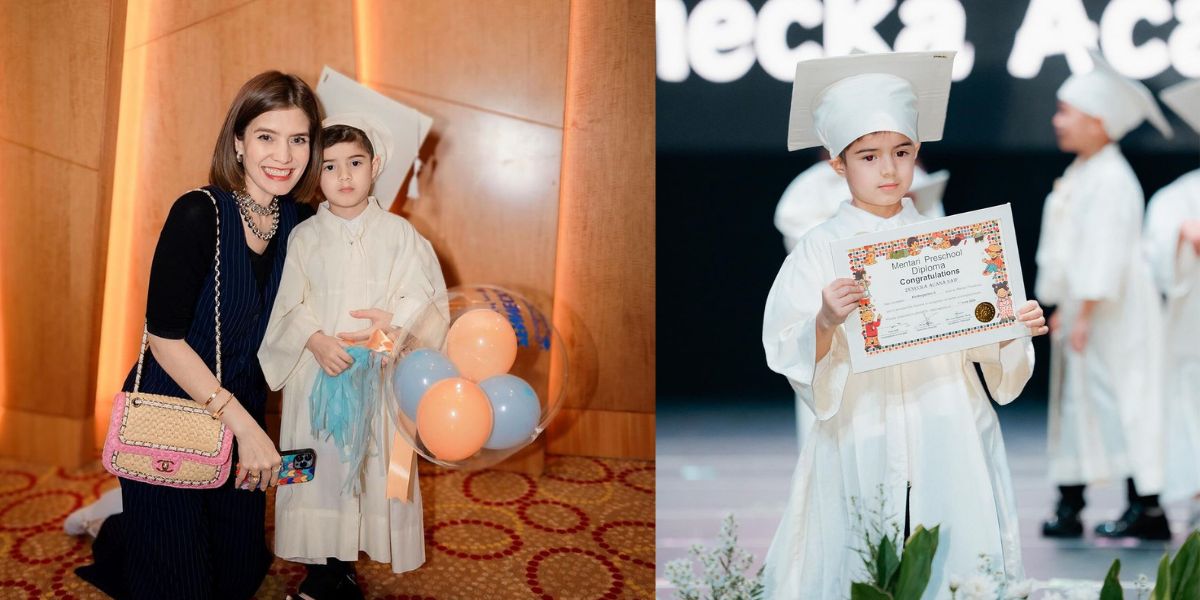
(298, 466)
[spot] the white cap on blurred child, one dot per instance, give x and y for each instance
(1120, 103)
(838, 100)
(399, 129)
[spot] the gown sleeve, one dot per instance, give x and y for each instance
(1006, 367)
(790, 333)
(292, 321)
(1171, 264)
(419, 281)
(1107, 229)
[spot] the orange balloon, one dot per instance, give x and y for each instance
(481, 343)
(454, 418)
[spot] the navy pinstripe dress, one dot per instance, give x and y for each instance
(178, 543)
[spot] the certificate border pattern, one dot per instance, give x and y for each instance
(983, 231)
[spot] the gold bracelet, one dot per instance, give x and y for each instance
(217, 413)
(212, 396)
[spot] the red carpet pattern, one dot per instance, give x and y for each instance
(583, 530)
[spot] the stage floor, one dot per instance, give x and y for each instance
(717, 456)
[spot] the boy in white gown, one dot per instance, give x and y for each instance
(812, 198)
(922, 434)
(1172, 239)
(1105, 402)
(353, 261)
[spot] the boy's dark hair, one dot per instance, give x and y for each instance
(337, 134)
(266, 92)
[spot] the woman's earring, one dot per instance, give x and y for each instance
(239, 158)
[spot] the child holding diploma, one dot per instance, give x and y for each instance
(1172, 237)
(921, 434)
(1105, 400)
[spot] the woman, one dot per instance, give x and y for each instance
(177, 543)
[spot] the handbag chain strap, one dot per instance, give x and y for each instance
(137, 380)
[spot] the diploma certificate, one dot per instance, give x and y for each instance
(933, 287)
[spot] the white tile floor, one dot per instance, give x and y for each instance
(717, 456)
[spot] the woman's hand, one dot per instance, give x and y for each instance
(1031, 316)
(330, 353)
(380, 320)
(258, 459)
(838, 299)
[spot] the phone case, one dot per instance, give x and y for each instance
(298, 466)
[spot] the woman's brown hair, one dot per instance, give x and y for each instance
(266, 92)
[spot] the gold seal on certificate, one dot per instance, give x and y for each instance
(933, 287)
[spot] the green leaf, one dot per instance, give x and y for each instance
(866, 591)
(916, 562)
(1112, 584)
(889, 564)
(1185, 569)
(1162, 584)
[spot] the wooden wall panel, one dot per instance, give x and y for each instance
(509, 57)
(53, 61)
(605, 293)
(54, 81)
(189, 77)
(170, 16)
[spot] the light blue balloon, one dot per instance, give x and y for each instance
(416, 373)
(515, 411)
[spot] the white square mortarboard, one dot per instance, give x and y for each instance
(405, 127)
(1184, 99)
(838, 100)
(1120, 103)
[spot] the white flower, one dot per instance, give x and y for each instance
(1018, 590)
(978, 587)
(955, 583)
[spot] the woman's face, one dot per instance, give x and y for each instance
(275, 149)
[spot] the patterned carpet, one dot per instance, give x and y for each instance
(583, 530)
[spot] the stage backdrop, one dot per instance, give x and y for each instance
(528, 159)
(723, 89)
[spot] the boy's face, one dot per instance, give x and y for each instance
(1077, 131)
(347, 172)
(878, 167)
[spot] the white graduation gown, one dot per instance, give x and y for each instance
(1177, 273)
(1105, 402)
(927, 422)
(379, 261)
(812, 198)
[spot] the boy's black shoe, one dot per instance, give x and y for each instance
(1146, 523)
(1064, 524)
(333, 581)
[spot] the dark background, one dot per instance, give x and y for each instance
(722, 165)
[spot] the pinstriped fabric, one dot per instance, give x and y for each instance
(176, 543)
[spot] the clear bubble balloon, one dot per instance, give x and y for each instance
(444, 347)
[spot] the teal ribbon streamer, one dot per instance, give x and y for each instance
(343, 408)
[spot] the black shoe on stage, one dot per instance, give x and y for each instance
(1145, 523)
(1064, 524)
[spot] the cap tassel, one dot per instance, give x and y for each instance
(414, 190)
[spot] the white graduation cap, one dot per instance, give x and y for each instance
(927, 191)
(1120, 103)
(838, 100)
(399, 129)
(1184, 99)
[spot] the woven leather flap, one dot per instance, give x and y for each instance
(165, 423)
